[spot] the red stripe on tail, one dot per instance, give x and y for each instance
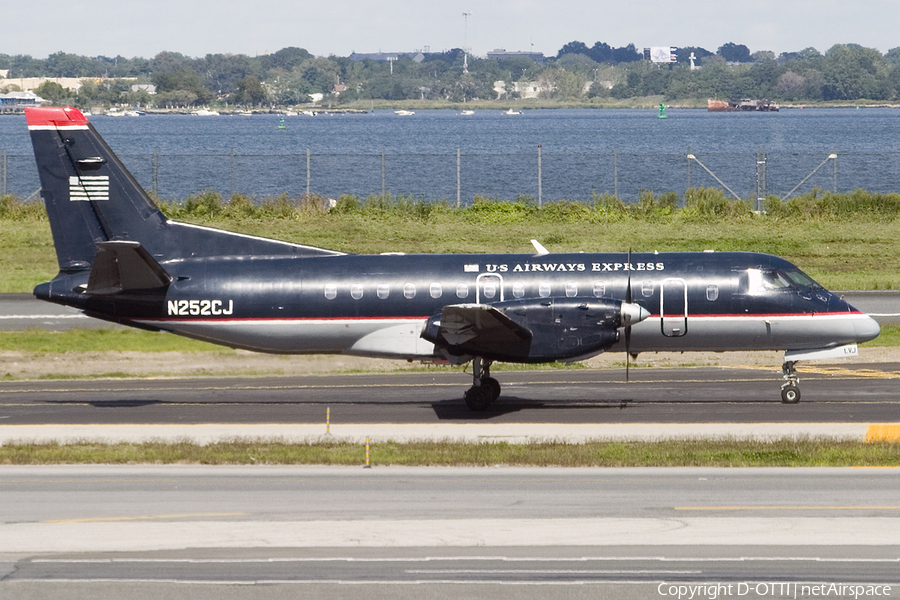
(55, 116)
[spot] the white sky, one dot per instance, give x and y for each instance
(198, 27)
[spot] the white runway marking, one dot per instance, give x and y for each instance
(14, 317)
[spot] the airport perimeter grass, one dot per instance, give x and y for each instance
(672, 453)
(845, 241)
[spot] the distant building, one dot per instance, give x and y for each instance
(72, 84)
(525, 89)
(27, 84)
(500, 54)
(144, 87)
(15, 102)
(386, 56)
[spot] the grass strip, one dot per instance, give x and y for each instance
(727, 452)
(42, 341)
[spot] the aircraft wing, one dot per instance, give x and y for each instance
(480, 329)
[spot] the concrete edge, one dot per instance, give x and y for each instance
(459, 432)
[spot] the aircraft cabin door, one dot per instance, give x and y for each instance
(488, 288)
(673, 307)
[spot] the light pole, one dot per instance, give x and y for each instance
(466, 16)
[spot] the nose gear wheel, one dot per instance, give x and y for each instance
(790, 390)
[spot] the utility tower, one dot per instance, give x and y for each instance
(466, 16)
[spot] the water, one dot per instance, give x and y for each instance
(581, 152)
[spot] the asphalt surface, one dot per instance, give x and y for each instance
(287, 532)
(843, 393)
(23, 311)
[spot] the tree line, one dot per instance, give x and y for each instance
(845, 72)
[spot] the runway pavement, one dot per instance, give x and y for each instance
(23, 311)
(839, 401)
(287, 532)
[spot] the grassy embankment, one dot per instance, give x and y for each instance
(673, 453)
(845, 241)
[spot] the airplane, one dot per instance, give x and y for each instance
(122, 260)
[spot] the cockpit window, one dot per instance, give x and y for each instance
(760, 282)
(802, 279)
(772, 280)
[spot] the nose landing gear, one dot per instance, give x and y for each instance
(485, 389)
(790, 390)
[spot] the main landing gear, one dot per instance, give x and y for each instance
(485, 389)
(790, 392)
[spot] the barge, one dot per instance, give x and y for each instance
(746, 105)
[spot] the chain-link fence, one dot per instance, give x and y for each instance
(459, 176)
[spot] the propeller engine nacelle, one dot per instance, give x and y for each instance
(545, 329)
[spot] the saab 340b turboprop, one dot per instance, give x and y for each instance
(122, 260)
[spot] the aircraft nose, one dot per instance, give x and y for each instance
(866, 328)
(633, 313)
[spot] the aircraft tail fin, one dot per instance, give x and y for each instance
(91, 198)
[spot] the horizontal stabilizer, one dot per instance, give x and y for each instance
(123, 266)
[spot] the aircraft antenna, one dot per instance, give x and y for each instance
(628, 299)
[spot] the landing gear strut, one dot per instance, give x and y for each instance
(485, 389)
(790, 392)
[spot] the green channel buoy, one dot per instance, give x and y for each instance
(662, 111)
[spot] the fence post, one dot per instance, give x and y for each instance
(760, 178)
(689, 169)
(616, 173)
(832, 156)
(835, 169)
(458, 180)
(3, 171)
(156, 172)
(232, 172)
(540, 175)
(308, 174)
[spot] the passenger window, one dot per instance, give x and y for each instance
(519, 290)
(409, 291)
(330, 291)
(356, 291)
(383, 291)
(490, 289)
(436, 290)
(647, 289)
(462, 290)
(571, 289)
(599, 289)
(712, 293)
(544, 289)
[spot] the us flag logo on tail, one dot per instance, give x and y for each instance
(89, 188)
